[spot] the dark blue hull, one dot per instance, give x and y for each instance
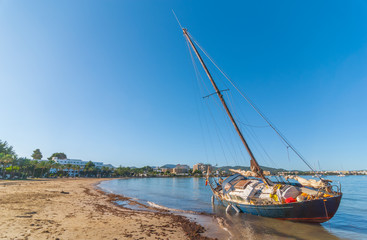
(315, 211)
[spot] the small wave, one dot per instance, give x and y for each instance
(152, 204)
(103, 188)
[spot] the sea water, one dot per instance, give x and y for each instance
(191, 195)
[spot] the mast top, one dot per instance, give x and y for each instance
(177, 19)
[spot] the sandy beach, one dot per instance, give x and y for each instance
(76, 209)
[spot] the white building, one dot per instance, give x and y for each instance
(77, 162)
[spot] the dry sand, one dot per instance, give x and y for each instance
(75, 209)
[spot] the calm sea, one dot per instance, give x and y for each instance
(191, 194)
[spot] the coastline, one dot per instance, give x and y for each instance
(197, 225)
(77, 209)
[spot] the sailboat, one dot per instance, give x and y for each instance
(253, 192)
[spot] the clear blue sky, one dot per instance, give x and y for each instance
(112, 81)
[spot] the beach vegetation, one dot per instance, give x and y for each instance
(14, 167)
(5, 148)
(197, 173)
(58, 155)
(37, 154)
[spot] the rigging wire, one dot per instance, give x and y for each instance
(257, 109)
(177, 19)
(203, 83)
(198, 76)
(219, 134)
(231, 106)
(229, 125)
(255, 137)
(250, 125)
(233, 137)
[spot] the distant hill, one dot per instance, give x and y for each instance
(271, 170)
(169, 166)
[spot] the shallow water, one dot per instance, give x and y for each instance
(191, 194)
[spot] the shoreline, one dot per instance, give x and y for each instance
(205, 225)
(77, 209)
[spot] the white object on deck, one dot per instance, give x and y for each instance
(250, 190)
(290, 191)
(308, 183)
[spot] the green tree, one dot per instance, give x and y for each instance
(90, 164)
(45, 165)
(74, 169)
(106, 171)
(147, 169)
(6, 148)
(59, 167)
(7, 154)
(78, 168)
(33, 165)
(5, 160)
(90, 168)
(13, 163)
(24, 165)
(58, 155)
(37, 154)
(122, 172)
(197, 172)
(68, 167)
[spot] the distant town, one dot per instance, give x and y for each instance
(59, 165)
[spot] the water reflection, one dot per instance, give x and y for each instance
(255, 227)
(191, 194)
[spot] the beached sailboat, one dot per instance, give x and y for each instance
(254, 193)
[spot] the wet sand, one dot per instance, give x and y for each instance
(76, 209)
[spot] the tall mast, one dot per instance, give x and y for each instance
(255, 167)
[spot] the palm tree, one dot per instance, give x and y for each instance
(68, 166)
(28, 167)
(90, 168)
(5, 160)
(74, 169)
(2, 162)
(44, 165)
(34, 164)
(106, 171)
(78, 168)
(58, 167)
(13, 161)
(23, 164)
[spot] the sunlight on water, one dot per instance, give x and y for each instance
(191, 194)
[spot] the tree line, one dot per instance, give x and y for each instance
(14, 167)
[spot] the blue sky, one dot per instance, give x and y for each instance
(113, 81)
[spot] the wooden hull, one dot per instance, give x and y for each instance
(313, 211)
